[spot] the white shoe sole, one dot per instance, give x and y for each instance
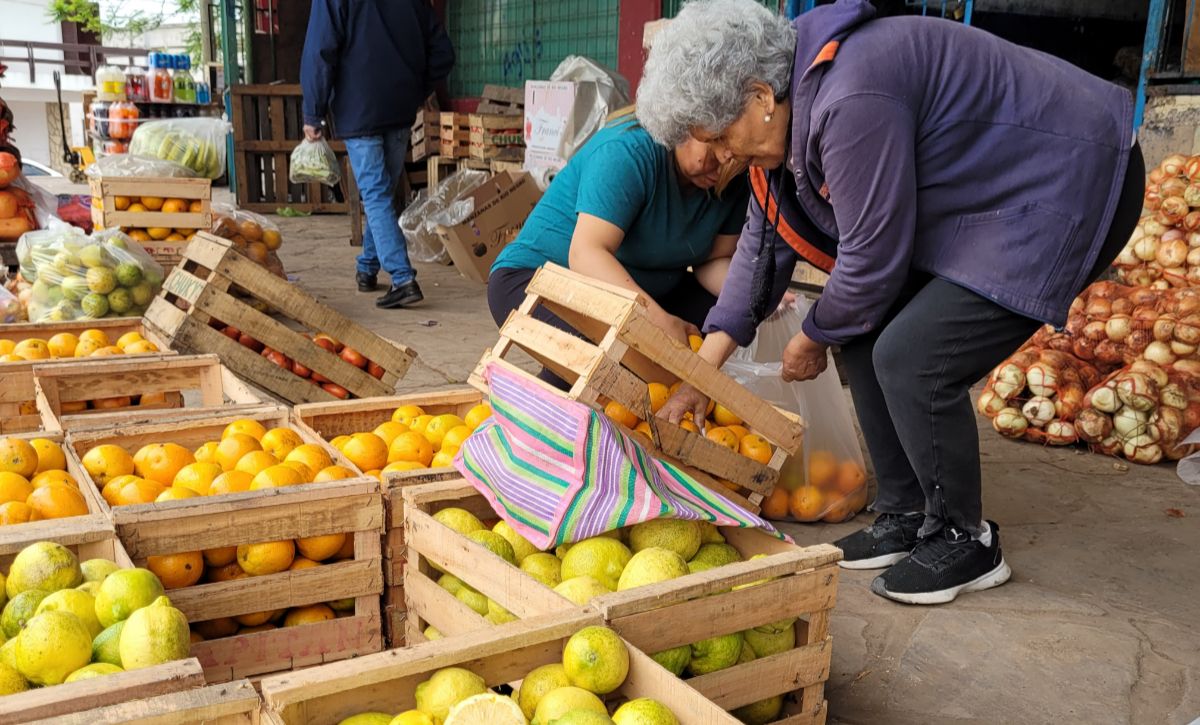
(878, 562)
(993, 578)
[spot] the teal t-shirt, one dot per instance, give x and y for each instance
(622, 176)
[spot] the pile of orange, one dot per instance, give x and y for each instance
(410, 440)
(34, 483)
(823, 488)
(248, 457)
(158, 204)
(251, 238)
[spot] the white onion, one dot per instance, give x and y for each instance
(1173, 397)
(1193, 239)
(1152, 228)
(1169, 425)
(1042, 379)
(1171, 253)
(1060, 433)
(1182, 350)
(1159, 352)
(1092, 425)
(1193, 257)
(1137, 391)
(1187, 330)
(1164, 328)
(1095, 330)
(1010, 423)
(1147, 454)
(1187, 367)
(1152, 370)
(990, 404)
(1110, 446)
(1128, 422)
(1105, 399)
(1011, 373)
(1146, 248)
(1127, 258)
(1038, 411)
(1119, 327)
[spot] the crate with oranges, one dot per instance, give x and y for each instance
(160, 213)
(42, 486)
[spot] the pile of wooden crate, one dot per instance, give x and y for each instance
(490, 139)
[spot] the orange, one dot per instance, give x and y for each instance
(177, 570)
(723, 436)
(33, 349)
(14, 487)
(311, 614)
(840, 509)
(388, 430)
(139, 491)
(477, 415)
(644, 429)
(272, 238)
(95, 335)
(621, 414)
(47, 478)
(220, 557)
(756, 448)
(850, 477)
(306, 474)
(320, 548)
(419, 423)
(107, 351)
(443, 459)
(280, 441)
(15, 512)
(18, 456)
(257, 622)
(311, 455)
(265, 627)
(366, 450)
(174, 206)
(141, 347)
(659, 395)
(723, 416)
(738, 430)
(216, 628)
(412, 447)
(231, 449)
(162, 461)
(6, 346)
(196, 206)
(230, 482)
(227, 572)
(255, 462)
(138, 235)
(9, 357)
(406, 414)
(694, 342)
(152, 203)
(822, 469)
(175, 493)
(807, 503)
(775, 506)
(689, 425)
(197, 477)
(114, 486)
(268, 557)
(106, 462)
(123, 401)
(374, 473)
(121, 202)
(301, 563)
(62, 345)
(441, 425)
(195, 637)
(85, 348)
(396, 466)
(206, 452)
(128, 339)
(347, 551)
(56, 502)
(340, 441)
(252, 428)
(276, 477)
(333, 473)
(455, 436)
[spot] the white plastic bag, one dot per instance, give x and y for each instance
(445, 206)
(314, 161)
(826, 480)
(601, 91)
(195, 143)
(130, 165)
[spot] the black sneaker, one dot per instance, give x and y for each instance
(886, 541)
(401, 295)
(943, 566)
(366, 282)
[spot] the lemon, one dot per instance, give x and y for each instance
(710, 534)
(153, 635)
(411, 717)
(19, 610)
(51, 646)
(583, 717)
(599, 557)
(651, 565)
(96, 669)
(487, 707)
(494, 543)
(769, 640)
(521, 546)
(716, 555)
(674, 660)
(472, 599)
(678, 535)
(461, 520)
(761, 712)
(445, 689)
(367, 718)
(558, 702)
(124, 592)
(45, 565)
(747, 654)
(596, 659)
(81, 604)
(497, 614)
(450, 583)
(644, 711)
(8, 653)
(539, 682)
(11, 681)
(581, 589)
(92, 588)
(106, 647)
(715, 653)
(544, 567)
(3, 593)
(431, 633)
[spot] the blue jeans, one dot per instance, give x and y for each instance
(378, 163)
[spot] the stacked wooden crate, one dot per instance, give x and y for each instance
(112, 197)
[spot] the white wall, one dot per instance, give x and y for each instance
(32, 135)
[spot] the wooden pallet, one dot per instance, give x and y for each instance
(193, 385)
(802, 584)
(95, 519)
(386, 681)
(622, 352)
(352, 506)
(233, 703)
(502, 100)
(105, 191)
(497, 136)
(202, 283)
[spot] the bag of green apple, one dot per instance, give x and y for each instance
(77, 276)
(193, 143)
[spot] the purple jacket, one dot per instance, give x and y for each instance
(921, 144)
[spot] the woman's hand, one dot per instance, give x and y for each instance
(803, 359)
(685, 400)
(674, 327)
(312, 133)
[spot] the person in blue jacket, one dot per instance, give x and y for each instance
(961, 190)
(371, 64)
(656, 221)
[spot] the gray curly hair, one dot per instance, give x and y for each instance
(702, 65)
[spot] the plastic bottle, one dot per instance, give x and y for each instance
(137, 88)
(110, 84)
(162, 88)
(185, 85)
(203, 92)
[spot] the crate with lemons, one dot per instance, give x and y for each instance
(38, 483)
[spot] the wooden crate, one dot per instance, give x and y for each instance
(351, 506)
(18, 395)
(426, 135)
(502, 100)
(437, 169)
(95, 519)
(622, 352)
(454, 136)
(105, 191)
(192, 385)
(499, 166)
(497, 136)
(802, 584)
(202, 283)
(386, 681)
(233, 703)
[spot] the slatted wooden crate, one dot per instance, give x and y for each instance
(202, 283)
(233, 703)
(438, 168)
(106, 215)
(352, 507)
(385, 682)
(183, 385)
(95, 519)
(425, 140)
(454, 135)
(502, 100)
(791, 582)
(621, 353)
(497, 136)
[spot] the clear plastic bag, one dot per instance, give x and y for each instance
(826, 480)
(254, 235)
(195, 143)
(11, 309)
(314, 161)
(601, 91)
(445, 206)
(130, 165)
(80, 276)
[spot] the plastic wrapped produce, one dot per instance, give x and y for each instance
(194, 143)
(254, 235)
(314, 161)
(446, 207)
(11, 309)
(130, 165)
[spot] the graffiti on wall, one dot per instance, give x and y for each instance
(519, 62)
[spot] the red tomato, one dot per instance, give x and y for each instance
(354, 357)
(336, 390)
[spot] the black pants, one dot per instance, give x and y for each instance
(911, 383)
(506, 291)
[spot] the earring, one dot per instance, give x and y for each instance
(767, 118)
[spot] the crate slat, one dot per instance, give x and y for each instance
(235, 703)
(72, 697)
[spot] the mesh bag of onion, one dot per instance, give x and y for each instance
(1036, 394)
(1164, 250)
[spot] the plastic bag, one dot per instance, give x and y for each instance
(601, 91)
(195, 143)
(826, 480)
(314, 161)
(80, 276)
(130, 165)
(254, 235)
(11, 309)
(445, 206)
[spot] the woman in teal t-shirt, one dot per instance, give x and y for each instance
(635, 214)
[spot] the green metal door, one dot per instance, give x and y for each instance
(670, 8)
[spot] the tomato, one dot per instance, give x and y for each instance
(375, 370)
(336, 390)
(300, 370)
(354, 357)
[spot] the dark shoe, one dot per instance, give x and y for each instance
(366, 282)
(943, 566)
(401, 295)
(886, 541)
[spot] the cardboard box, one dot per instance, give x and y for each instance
(549, 115)
(502, 204)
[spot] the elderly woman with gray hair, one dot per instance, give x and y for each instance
(959, 189)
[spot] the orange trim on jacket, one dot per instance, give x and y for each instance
(758, 183)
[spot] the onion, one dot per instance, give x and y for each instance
(1060, 433)
(1010, 423)
(1172, 211)
(1169, 425)
(1182, 350)
(1109, 352)
(1191, 222)
(1191, 169)
(1160, 284)
(1139, 339)
(1011, 373)
(1144, 315)
(1156, 176)
(1137, 391)
(1191, 416)
(1173, 397)
(1069, 402)
(1164, 328)
(1128, 422)
(1187, 330)
(1172, 187)
(1175, 277)
(1096, 330)
(1076, 306)
(990, 404)
(1172, 254)
(1110, 446)
(1191, 195)
(1038, 411)
(1119, 327)
(1122, 306)
(1177, 452)
(1126, 258)
(1151, 370)
(1152, 228)
(1042, 379)
(1055, 359)
(1191, 368)
(1105, 399)
(1159, 352)
(1098, 307)
(1075, 325)
(1193, 258)
(1084, 348)
(1146, 248)
(1092, 425)
(1153, 197)
(1186, 303)
(1148, 453)
(1173, 165)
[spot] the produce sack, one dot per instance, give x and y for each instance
(1164, 250)
(444, 206)
(559, 472)
(826, 480)
(77, 276)
(254, 235)
(1036, 393)
(194, 143)
(314, 161)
